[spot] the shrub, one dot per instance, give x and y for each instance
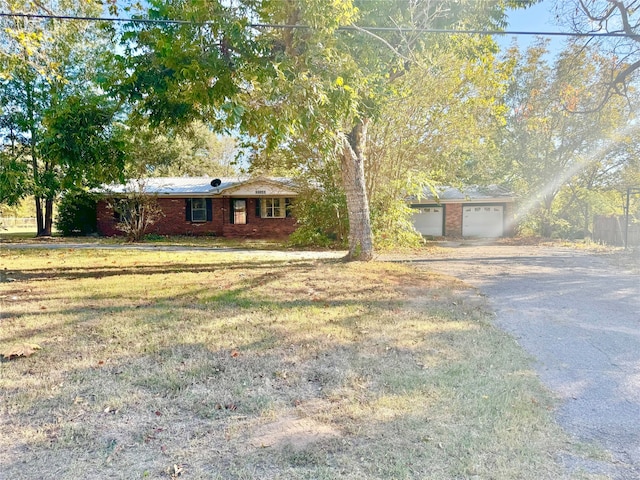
(322, 218)
(77, 213)
(392, 225)
(136, 211)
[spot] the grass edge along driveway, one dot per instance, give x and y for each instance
(219, 365)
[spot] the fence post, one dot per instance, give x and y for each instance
(630, 191)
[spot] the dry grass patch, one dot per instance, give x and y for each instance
(210, 365)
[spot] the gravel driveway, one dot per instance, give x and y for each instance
(578, 315)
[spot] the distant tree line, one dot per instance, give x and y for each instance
(369, 115)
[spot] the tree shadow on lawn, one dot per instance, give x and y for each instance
(225, 304)
(347, 410)
(196, 300)
(198, 380)
(97, 272)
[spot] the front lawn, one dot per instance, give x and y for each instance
(212, 365)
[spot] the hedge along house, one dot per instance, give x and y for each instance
(484, 212)
(226, 207)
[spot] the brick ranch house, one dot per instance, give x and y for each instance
(225, 207)
(487, 212)
(260, 208)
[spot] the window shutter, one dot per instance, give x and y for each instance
(232, 210)
(187, 208)
(209, 210)
(258, 211)
(287, 208)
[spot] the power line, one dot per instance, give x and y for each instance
(344, 28)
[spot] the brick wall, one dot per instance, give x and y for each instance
(106, 221)
(174, 221)
(256, 226)
(453, 220)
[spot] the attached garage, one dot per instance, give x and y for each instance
(483, 221)
(429, 220)
(483, 212)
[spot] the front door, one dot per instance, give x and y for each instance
(238, 211)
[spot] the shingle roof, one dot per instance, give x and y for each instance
(171, 185)
(471, 193)
(474, 192)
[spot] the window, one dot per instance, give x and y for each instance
(199, 210)
(272, 208)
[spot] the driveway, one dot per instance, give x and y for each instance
(578, 315)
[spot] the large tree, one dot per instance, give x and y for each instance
(551, 146)
(14, 180)
(319, 70)
(51, 104)
(615, 26)
(191, 151)
(440, 129)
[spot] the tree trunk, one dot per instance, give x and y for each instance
(39, 217)
(48, 217)
(352, 158)
(34, 157)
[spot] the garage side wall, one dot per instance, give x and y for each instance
(453, 220)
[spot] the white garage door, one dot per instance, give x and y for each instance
(428, 220)
(482, 221)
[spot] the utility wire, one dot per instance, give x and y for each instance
(344, 28)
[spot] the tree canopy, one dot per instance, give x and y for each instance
(551, 146)
(56, 122)
(194, 150)
(615, 25)
(319, 74)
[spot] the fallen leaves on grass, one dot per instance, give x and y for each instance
(175, 471)
(17, 351)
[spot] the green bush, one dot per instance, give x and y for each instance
(77, 213)
(322, 218)
(308, 237)
(392, 225)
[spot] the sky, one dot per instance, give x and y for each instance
(537, 18)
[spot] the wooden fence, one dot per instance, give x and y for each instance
(611, 230)
(18, 221)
